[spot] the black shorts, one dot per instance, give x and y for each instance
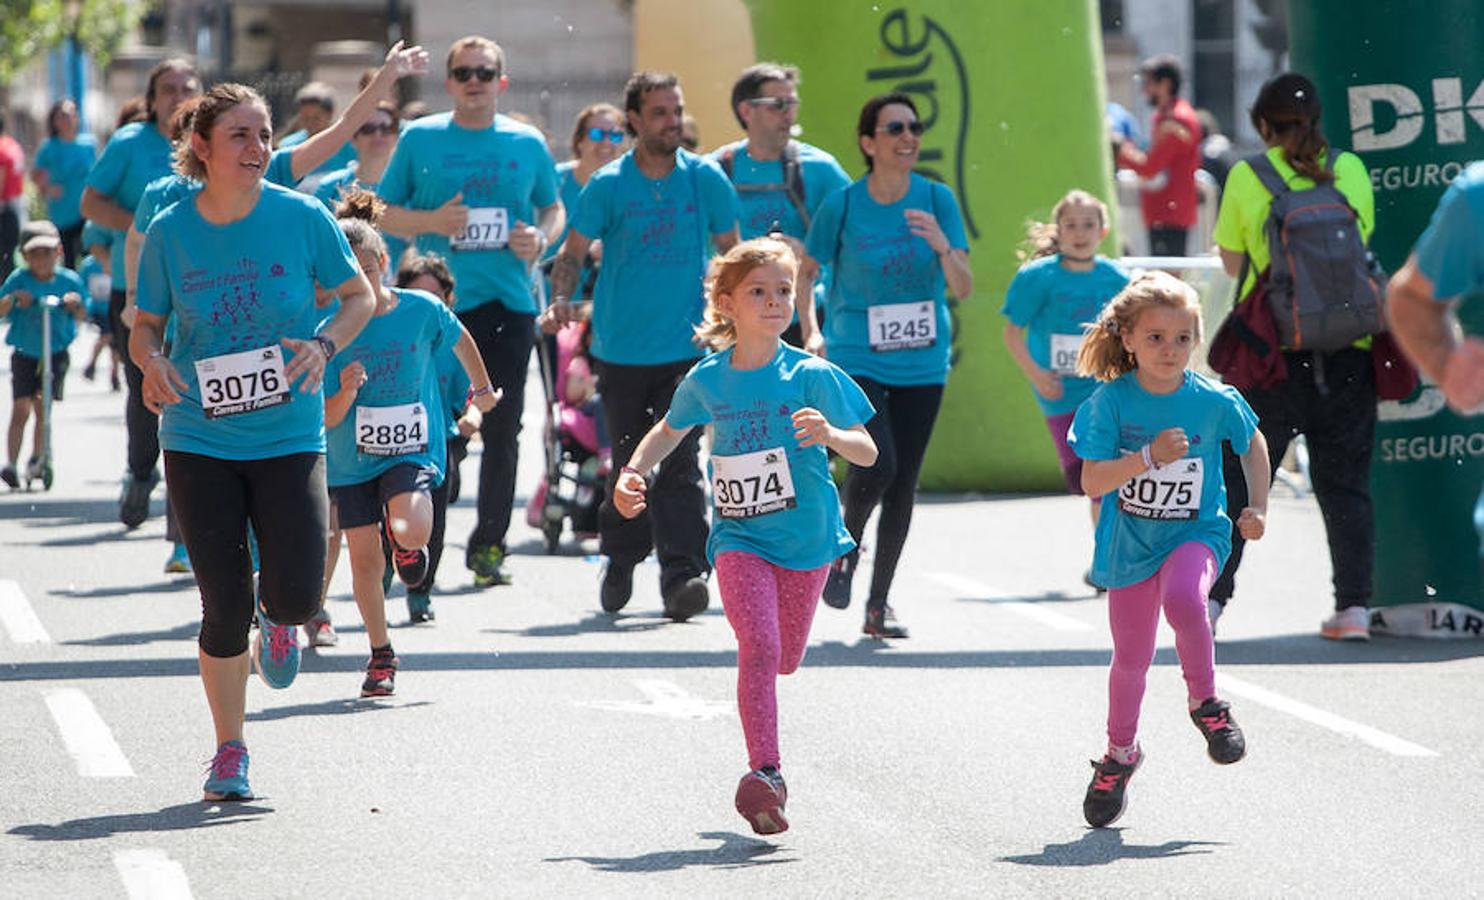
(101, 321)
(357, 505)
(25, 375)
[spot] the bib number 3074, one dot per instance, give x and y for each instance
(392, 430)
(487, 229)
(1169, 493)
(902, 326)
(236, 383)
(752, 484)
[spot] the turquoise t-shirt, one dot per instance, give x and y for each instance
(66, 164)
(136, 155)
(342, 181)
(342, 158)
(25, 324)
(506, 175)
(878, 262)
(453, 387)
(570, 192)
(1449, 252)
(822, 176)
(162, 192)
(1148, 517)
(97, 283)
(1052, 303)
(657, 240)
(239, 289)
(786, 511)
(398, 350)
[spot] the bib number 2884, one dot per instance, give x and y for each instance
(392, 430)
(236, 383)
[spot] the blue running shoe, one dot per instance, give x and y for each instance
(179, 561)
(275, 651)
(419, 607)
(228, 778)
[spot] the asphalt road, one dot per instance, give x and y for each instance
(537, 747)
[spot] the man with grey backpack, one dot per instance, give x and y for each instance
(1293, 228)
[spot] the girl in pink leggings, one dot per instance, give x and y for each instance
(1150, 440)
(777, 525)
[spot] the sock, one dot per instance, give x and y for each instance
(382, 651)
(1124, 756)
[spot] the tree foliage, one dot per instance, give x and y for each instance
(30, 28)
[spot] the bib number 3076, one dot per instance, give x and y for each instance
(1169, 493)
(487, 229)
(902, 326)
(392, 430)
(752, 484)
(236, 383)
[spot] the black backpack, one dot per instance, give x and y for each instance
(1324, 288)
(793, 178)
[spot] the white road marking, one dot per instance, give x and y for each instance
(86, 735)
(18, 617)
(666, 699)
(1338, 724)
(151, 875)
(1037, 613)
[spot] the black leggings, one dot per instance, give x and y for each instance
(505, 339)
(286, 501)
(901, 428)
(143, 426)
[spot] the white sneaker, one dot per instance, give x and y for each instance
(1350, 624)
(1213, 612)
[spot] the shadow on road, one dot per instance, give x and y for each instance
(183, 817)
(61, 513)
(348, 707)
(736, 852)
(185, 632)
(595, 623)
(182, 583)
(1100, 846)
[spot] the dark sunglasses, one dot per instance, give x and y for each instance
(462, 74)
(372, 128)
(777, 104)
(614, 135)
(895, 129)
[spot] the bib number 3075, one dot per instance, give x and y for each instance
(487, 229)
(902, 326)
(1169, 493)
(392, 430)
(236, 383)
(752, 484)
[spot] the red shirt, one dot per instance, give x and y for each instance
(1175, 153)
(12, 168)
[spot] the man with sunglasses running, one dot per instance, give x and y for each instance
(780, 182)
(658, 210)
(480, 189)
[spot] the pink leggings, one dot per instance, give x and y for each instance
(1180, 586)
(770, 609)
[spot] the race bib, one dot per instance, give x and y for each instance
(488, 228)
(236, 383)
(902, 326)
(752, 484)
(1169, 493)
(392, 430)
(99, 285)
(1064, 350)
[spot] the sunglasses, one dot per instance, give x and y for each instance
(462, 74)
(614, 135)
(895, 129)
(777, 104)
(368, 130)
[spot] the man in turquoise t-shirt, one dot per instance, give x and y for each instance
(480, 190)
(780, 182)
(658, 210)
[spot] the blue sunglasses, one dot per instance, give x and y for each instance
(614, 135)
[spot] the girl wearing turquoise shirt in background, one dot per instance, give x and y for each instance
(61, 167)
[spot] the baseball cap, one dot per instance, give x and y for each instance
(40, 233)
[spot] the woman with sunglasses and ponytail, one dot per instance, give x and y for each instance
(374, 142)
(598, 138)
(895, 243)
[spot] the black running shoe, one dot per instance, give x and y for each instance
(883, 624)
(1105, 800)
(618, 585)
(9, 476)
(688, 598)
(1224, 741)
(134, 501)
(381, 675)
(837, 586)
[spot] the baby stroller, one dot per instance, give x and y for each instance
(578, 456)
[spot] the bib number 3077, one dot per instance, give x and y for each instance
(392, 430)
(236, 383)
(1169, 493)
(902, 326)
(752, 484)
(488, 228)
